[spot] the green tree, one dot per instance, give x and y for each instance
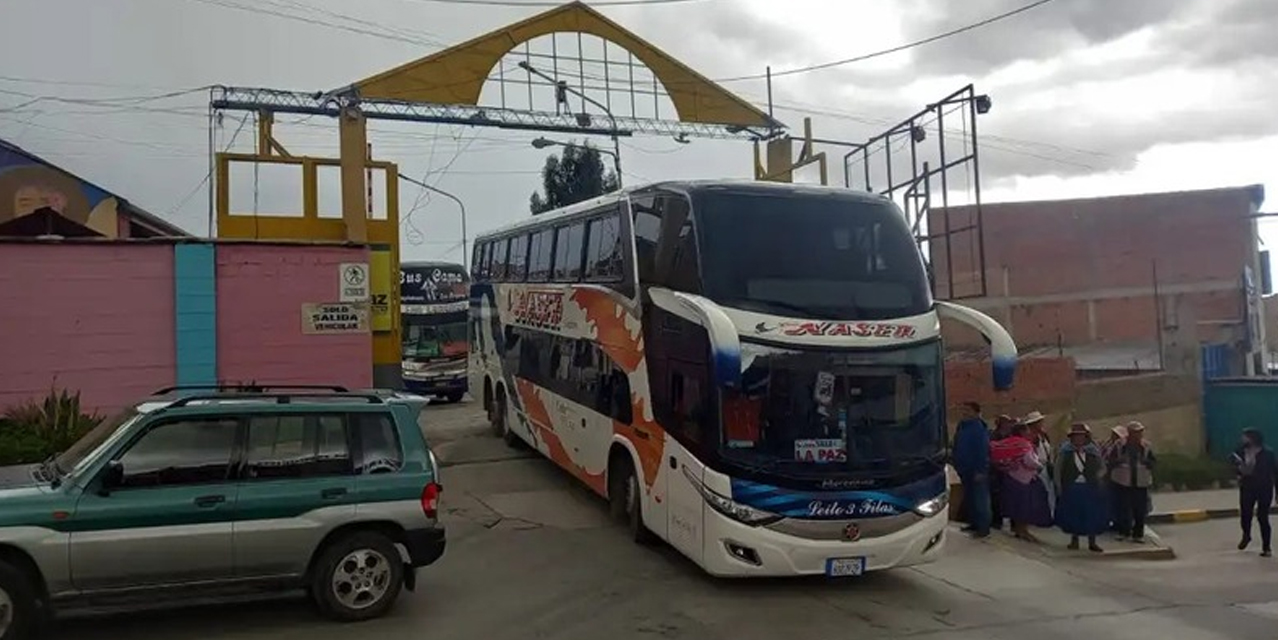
(575, 175)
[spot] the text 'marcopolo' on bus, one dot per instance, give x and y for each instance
(433, 304)
(749, 371)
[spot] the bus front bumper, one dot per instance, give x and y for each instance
(436, 386)
(733, 549)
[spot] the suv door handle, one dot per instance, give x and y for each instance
(209, 501)
(335, 492)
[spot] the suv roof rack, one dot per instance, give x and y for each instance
(251, 387)
(280, 398)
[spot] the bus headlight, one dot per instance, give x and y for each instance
(737, 511)
(731, 508)
(929, 508)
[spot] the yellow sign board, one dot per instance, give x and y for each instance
(380, 290)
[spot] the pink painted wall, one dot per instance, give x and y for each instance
(97, 318)
(260, 292)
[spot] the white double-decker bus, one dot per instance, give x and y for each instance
(749, 371)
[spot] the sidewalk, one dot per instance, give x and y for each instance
(1195, 506)
(1053, 543)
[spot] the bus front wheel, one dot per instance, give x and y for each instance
(623, 498)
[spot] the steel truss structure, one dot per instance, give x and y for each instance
(332, 104)
(915, 186)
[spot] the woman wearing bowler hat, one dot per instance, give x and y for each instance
(1080, 507)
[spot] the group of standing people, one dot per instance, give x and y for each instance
(1014, 473)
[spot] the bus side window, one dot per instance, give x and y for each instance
(620, 407)
(485, 262)
(603, 249)
(568, 252)
(517, 265)
(540, 255)
(677, 251)
(501, 260)
(647, 225)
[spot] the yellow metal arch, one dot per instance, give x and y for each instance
(457, 75)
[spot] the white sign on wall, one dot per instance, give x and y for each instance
(334, 318)
(353, 281)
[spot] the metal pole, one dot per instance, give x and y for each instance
(460, 205)
(616, 143)
(212, 163)
(616, 155)
(769, 69)
(976, 180)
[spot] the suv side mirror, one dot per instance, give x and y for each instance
(112, 476)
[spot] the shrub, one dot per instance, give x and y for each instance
(1183, 472)
(35, 430)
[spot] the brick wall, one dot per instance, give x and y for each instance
(1043, 384)
(1171, 406)
(260, 293)
(97, 318)
(1083, 271)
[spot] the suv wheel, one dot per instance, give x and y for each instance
(19, 611)
(358, 577)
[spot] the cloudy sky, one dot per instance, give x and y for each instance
(1091, 97)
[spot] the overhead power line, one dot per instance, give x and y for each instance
(898, 48)
(545, 3)
(385, 34)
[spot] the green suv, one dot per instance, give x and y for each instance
(225, 491)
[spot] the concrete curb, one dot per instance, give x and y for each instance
(1196, 515)
(1154, 549)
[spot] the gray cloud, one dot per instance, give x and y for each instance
(156, 159)
(1038, 34)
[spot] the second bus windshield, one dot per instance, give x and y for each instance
(434, 336)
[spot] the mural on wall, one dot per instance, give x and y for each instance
(26, 186)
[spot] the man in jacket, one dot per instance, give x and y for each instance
(1257, 479)
(1132, 471)
(971, 459)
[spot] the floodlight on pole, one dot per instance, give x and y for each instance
(542, 143)
(583, 119)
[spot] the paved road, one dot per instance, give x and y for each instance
(531, 555)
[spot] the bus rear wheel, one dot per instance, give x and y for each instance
(501, 423)
(623, 499)
(497, 415)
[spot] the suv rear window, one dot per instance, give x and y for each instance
(379, 446)
(297, 446)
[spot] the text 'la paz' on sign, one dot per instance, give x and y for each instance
(341, 317)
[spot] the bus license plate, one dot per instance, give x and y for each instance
(836, 567)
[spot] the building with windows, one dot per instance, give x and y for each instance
(1104, 280)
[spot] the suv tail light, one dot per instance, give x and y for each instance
(430, 500)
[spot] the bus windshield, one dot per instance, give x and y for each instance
(434, 336)
(843, 411)
(829, 257)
